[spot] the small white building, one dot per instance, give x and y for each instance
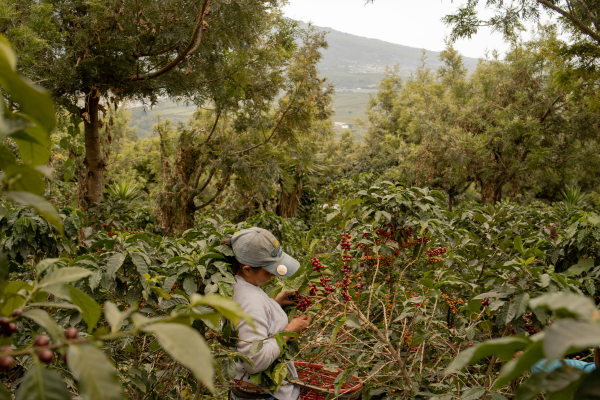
(341, 125)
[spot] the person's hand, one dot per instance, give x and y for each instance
(298, 324)
(283, 298)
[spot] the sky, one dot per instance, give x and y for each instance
(414, 23)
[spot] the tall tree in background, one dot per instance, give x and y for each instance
(244, 137)
(88, 53)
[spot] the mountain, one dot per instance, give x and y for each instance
(350, 57)
(354, 64)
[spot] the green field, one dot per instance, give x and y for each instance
(348, 107)
(142, 119)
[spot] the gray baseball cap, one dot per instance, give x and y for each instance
(257, 247)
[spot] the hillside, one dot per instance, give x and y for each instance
(354, 64)
(353, 61)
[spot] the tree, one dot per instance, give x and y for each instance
(242, 139)
(579, 17)
(508, 127)
(90, 54)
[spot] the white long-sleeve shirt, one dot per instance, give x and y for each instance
(269, 319)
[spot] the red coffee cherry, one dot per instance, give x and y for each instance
(6, 363)
(71, 333)
(11, 328)
(17, 313)
(46, 356)
(5, 349)
(4, 321)
(42, 341)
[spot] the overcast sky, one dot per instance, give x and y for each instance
(415, 23)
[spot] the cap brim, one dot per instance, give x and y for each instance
(291, 265)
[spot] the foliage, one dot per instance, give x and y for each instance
(455, 132)
(45, 296)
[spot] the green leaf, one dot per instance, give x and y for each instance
(48, 262)
(11, 303)
(589, 388)
(96, 377)
(518, 242)
(189, 285)
(581, 267)
(140, 263)
(353, 322)
(40, 383)
(520, 365)
(473, 393)
(186, 346)
(504, 348)
(53, 304)
(46, 210)
(565, 304)
(43, 319)
(33, 99)
(64, 275)
(161, 292)
(520, 303)
(4, 393)
(496, 396)
(90, 310)
(34, 145)
(227, 307)
(567, 335)
(256, 347)
(337, 328)
(114, 317)
(531, 388)
(279, 374)
(114, 263)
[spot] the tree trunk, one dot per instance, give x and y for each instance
(94, 161)
(450, 201)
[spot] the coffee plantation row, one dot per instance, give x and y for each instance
(412, 293)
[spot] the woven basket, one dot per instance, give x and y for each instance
(316, 383)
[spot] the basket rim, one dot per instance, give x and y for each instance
(353, 389)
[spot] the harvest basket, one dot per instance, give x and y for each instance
(316, 383)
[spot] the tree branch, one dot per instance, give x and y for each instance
(214, 127)
(573, 19)
(220, 187)
(196, 39)
(210, 176)
(543, 117)
(272, 133)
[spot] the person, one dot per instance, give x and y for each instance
(547, 366)
(258, 257)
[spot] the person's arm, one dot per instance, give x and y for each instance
(545, 366)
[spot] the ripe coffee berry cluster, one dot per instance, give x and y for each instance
(453, 302)
(346, 282)
(345, 243)
(433, 254)
(532, 330)
(44, 354)
(423, 240)
(485, 302)
(317, 266)
(304, 302)
(325, 280)
(7, 328)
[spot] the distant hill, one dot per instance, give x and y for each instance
(357, 62)
(353, 63)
